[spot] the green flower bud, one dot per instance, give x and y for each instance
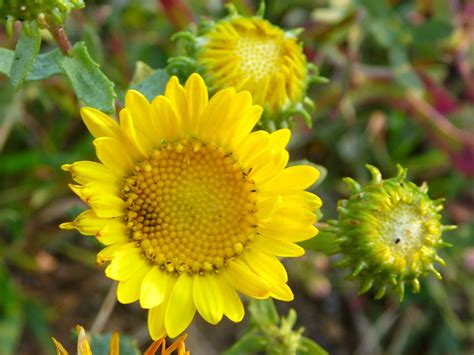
(389, 232)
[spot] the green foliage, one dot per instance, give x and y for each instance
(89, 83)
(26, 51)
(272, 334)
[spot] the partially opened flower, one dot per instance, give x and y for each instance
(250, 53)
(192, 205)
(389, 232)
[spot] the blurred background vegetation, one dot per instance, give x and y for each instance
(401, 90)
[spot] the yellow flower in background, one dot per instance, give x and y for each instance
(84, 348)
(192, 205)
(250, 53)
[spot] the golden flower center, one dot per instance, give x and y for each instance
(258, 56)
(190, 207)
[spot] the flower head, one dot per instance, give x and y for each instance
(193, 207)
(250, 53)
(389, 232)
(84, 348)
(41, 11)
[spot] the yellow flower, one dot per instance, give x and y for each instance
(84, 348)
(250, 53)
(193, 207)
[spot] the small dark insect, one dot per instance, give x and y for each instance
(398, 240)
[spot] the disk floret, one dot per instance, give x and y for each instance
(250, 53)
(389, 232)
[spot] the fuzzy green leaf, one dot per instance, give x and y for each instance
(26, 51)
(88, 81)
(45, 65)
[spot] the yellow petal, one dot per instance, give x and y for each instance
(289, 233)
(302, 200)
(266, 207)
(268, 166)
(294, 178)
(232, 304)
(115, 344)
(153, 288)
(181, 309)
(59, 348)
(212, 114)
(282, 292)
(129, 291)
(88, 223)
(99, 124)
(125, 264)
(197, 98)
(251, 146)
(267, 266)
(140, 109)
(109, 252)
(277, 247)
(279, 139)
(114, 232)
(239, 275)
(84, 172)
(207, 298)
(244, 125)
(112, 153)
(177, 96)
(165, 116)
(83, 347)
(156, 315)
(137, 143)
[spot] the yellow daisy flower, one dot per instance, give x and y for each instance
(192, 205)
(250, 53)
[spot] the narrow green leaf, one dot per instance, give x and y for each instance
(153, 85)
(88, 81)
(309, 347)
(26, 51)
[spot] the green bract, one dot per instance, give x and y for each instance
(389, 232)
(41, 11)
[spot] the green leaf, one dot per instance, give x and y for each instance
(402, 69)
(89, 83)
(6, 59)
(153, 85)
(376, 9)
(431, 31)
(309, 347)
(26, 51)
(45, 65)
(248, 344)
